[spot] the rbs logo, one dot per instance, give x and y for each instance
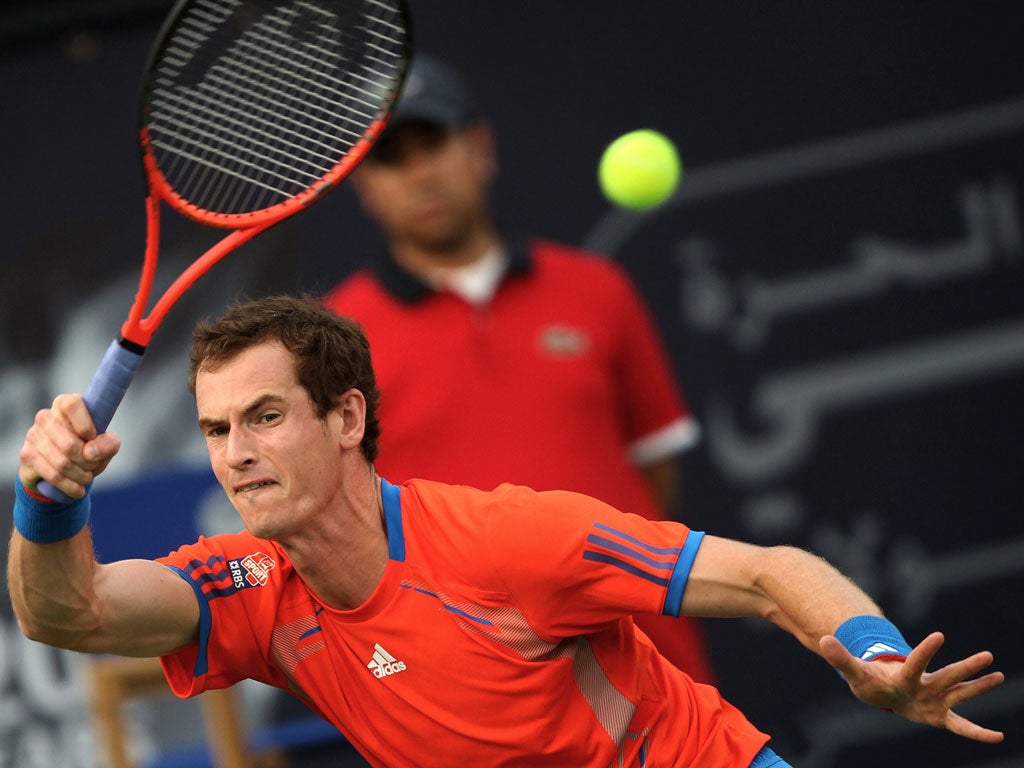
(251, 570)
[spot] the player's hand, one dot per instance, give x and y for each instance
(907, 688)
(62, 447)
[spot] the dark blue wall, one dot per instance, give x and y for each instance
(839, 278)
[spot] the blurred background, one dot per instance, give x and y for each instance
(840, 279)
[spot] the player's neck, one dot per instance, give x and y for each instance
(343, 555)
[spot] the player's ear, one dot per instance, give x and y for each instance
(349, 418)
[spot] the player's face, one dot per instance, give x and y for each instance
(276, 460)
(427, 185)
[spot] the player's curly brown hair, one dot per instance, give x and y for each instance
(332, 354)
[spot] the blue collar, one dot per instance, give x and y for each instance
(391, 498)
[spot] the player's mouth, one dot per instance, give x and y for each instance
(253, 486)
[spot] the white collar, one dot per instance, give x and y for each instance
(476, 282)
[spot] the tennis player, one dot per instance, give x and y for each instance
(433, 625)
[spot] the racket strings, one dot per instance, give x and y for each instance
(251, 104)
(198, 126)
(280, 92)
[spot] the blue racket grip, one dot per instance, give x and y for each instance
(105, 392)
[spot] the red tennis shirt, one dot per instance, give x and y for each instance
(558, 381)
(499, 636)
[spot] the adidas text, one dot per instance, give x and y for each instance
(384, 664)
(388, 669)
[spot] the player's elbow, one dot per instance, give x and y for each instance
(51, 633)
(53, 624)
(779, 568)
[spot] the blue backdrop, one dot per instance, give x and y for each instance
(839, 279)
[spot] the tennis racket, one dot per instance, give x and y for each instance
(251, 110)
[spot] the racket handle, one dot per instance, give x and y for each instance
(105, 392)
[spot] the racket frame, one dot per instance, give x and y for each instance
(119, 363)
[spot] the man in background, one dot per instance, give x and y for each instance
(502, 358)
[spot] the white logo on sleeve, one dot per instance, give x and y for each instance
(383, 663)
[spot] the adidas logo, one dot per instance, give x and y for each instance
(383, 663)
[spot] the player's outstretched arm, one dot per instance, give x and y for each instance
(60, 594)
(909, 689)
(832, 616)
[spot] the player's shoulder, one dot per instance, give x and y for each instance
(442, 501)
(239, 564)
(214, 551)
(460, 518)
(468, 512)
(454, 495)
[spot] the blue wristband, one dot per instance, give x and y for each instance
(44, 522)
(872, 637)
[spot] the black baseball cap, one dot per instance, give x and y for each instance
(434, 92)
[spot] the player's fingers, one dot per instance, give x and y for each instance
(959, 671)
(75, 412)
(51, 454)
(835, 653)
(101, 450)
(44, 463)
(921, 656)
(963, 692)
(62, 449)
(55, 451)
(961, 726)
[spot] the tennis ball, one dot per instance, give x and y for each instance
(639, 170)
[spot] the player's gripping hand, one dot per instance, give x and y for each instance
(907, 688)
(62, 447)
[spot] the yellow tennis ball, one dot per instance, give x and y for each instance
(640, 169)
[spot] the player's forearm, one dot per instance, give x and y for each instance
(51, 589)
(807, 596)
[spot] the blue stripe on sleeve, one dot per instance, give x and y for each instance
(622, 549)
(633, 540)
(602, 557)
(681, 573)
(205, 623)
